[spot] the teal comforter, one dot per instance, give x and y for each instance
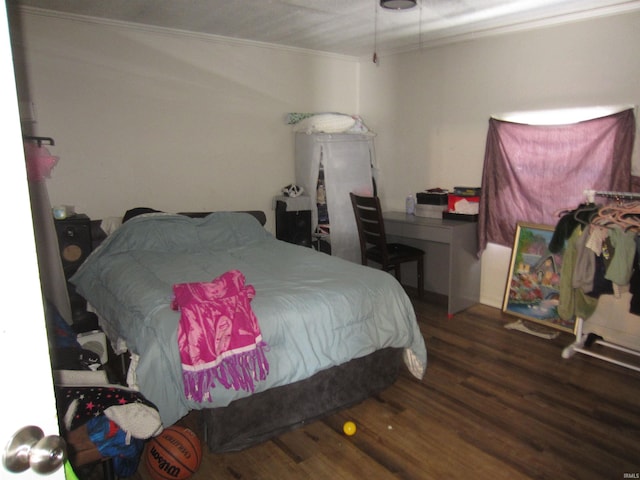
(315, 311)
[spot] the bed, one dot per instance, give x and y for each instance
(335, 332)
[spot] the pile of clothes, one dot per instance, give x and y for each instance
(117, 419)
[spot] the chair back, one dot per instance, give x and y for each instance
(370, 225)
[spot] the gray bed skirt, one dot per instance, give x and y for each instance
(254, 419)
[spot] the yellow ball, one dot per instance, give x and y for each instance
(349, 428)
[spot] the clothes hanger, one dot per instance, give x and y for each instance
(39, 140)
(585, 212)
(573, 210)
(626, 216)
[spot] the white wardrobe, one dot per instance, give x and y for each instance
(347, 161)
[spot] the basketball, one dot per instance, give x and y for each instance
(175, 454)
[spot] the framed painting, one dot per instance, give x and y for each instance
(533, 285)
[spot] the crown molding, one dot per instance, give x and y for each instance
(175, 32)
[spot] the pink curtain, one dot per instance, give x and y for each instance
(532, 172)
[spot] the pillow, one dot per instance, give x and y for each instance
(134, 212)
(325, 123)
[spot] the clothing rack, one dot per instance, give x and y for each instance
(591, 194)
(584, 341)
(39, 140)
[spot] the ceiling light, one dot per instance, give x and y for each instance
(398, 4)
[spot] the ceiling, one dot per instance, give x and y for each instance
(346, 27)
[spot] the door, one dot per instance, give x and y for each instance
(28, 397)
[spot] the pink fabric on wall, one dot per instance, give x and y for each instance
(40, 162)
(531, 172)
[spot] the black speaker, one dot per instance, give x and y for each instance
(293, 227)
(74, 240)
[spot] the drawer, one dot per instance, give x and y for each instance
(431, 233)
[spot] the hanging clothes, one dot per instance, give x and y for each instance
(568, 223)
(600, 249)
(584, 269)
(573, 301)
(634, 282)
(619, 270)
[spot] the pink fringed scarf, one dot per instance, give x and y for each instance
(218, 336)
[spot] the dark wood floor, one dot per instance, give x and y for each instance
(494, 404)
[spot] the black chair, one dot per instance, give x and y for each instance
(373, 241)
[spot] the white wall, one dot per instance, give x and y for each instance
(150, 117)
(431, 107)
(146, 117)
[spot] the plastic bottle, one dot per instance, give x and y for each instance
(410, 205)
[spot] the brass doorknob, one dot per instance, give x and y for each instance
(29, 448)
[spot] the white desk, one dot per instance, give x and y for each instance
(452, 267)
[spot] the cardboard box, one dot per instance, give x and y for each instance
(429, 211)
(453, 199)
(431, 198)
(462, 217)
(466, 191)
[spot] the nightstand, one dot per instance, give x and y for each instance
(293, 219)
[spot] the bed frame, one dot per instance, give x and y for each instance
(98, 235)
(255, 419)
